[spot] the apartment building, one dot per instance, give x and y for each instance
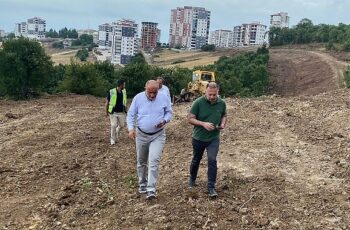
(34, 28)
(105, 33)
(21, 29)
(150, 35)
(221, 38)
(189, 27)
(249, 34)
(280, 20)
(2, 33)
(124, 41)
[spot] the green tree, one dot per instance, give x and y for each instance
(347, 76)
(86, 39)
(65, 33)
(51, 34)
(136, 75)
(11, 36)
(58, 45)
(84, 79)
(82, 54)
(25, 69)
(346, 45)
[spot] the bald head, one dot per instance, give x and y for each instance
(151, 87)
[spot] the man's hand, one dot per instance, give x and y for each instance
(160, 124)
(132, 134)
(208, 126)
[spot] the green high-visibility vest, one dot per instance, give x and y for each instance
(113, 99)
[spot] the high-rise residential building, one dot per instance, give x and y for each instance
(34, 28)
(21, 29)
(105, 33)
(189, 27)
(124, 41)
(149, 35)
(280, 20)
(221, 38)
(249, 34)
(2, 33)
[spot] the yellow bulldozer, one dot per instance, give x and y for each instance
(197, 86)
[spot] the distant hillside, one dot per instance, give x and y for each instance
(189, 59)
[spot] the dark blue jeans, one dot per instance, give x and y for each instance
(212, 148)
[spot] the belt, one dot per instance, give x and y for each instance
(149, 133)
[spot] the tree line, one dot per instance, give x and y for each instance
(62, 33)
(26, 72)
(306, 32)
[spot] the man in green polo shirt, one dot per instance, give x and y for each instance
(208, 115)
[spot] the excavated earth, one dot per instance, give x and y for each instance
(284, 161)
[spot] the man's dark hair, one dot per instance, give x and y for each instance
(120, 82)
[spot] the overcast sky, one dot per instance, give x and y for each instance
(225, 14)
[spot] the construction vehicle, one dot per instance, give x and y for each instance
(197, 86)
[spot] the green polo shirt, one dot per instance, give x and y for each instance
(205, 111)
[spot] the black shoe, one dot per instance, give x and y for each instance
(212, 193)
(151, 195)
(191, 183)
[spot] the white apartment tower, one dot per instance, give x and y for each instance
(189, 27)
(105, 36)
(124, 41)
(21, 29)
(34, 28)
(2, 33)
(249, 34)
(221, 38)
(280, 20)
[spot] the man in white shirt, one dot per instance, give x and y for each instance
(163, 88)
(147, 117)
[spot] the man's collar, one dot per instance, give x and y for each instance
(217, 99)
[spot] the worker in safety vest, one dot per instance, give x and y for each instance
(116, 109)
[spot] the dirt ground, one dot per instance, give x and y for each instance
(304, 72)
(284, 163)
(189, 59)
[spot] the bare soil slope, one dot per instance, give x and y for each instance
(284, 163)
(304, 72)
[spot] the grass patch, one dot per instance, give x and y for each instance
(130, 181)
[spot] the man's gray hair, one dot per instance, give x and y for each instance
(213, 85)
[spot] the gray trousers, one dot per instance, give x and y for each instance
(149, 149)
